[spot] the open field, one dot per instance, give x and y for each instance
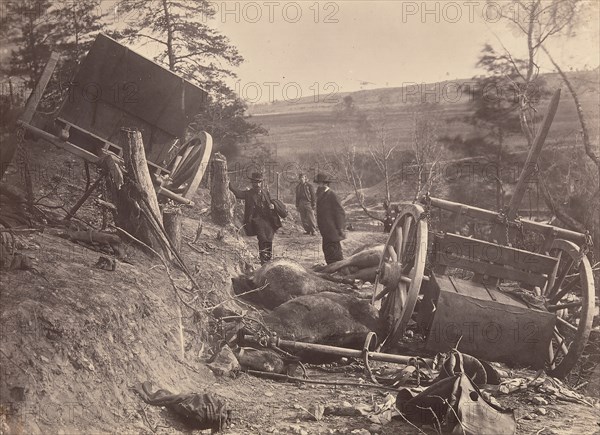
(307, 127)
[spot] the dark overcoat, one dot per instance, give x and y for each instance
(331, 216)
(305, 192)
(258, 216)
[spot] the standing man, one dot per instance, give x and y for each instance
(259, 218)
(305, 204)
(331, 219)
(391, 213)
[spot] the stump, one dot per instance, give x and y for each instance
(172, 222)
(137, 211)
(221, 203)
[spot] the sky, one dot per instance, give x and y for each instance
(311, 47)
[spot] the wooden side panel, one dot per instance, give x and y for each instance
(492, 270)
(453, 245)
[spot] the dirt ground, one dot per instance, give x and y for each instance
(75, 339)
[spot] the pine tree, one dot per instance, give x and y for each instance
(189, 46)
(196, 51)
(28, 27)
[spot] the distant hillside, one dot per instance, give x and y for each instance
(307, 127)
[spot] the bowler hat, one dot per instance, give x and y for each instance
(256, 176)
(322, 178)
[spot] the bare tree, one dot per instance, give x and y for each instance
(343, 161)
(427, 153)
(538, 20)
(381, 148)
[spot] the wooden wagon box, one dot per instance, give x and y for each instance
(494, 326)
(116, 89)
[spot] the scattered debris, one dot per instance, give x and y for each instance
(452, 402)
(539, 400)
(201, 411)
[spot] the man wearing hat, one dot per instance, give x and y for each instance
(305, 204)
(331, 219)
(258, 215)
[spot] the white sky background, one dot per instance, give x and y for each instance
(385, 43)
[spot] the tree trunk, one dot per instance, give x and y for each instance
(172, 221)
(137, 211)
(221, 203)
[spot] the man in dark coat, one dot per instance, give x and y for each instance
(305, 204)
(259, 219)
(391, 213)
(331, 219)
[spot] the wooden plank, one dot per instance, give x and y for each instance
(491, 216)
(479, 250)
(492, 270)
(36, 96)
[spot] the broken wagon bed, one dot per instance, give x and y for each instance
(115, 88)
(519, 306)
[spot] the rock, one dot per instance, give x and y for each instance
(538, 400)
(225, 363)
(529, 417)
(375, 428)
(342, 411)
(361, 432)
(541, 411)
(299, 430)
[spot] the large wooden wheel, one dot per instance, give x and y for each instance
(570, 294)
(188, 166)
(401, 272)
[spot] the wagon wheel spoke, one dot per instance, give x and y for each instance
(570, 297)
(561, 342)
(393, 255)
(566, 324)
(562, 293)
(559, 307)
(398, 246)
(551, 357)
(559, 281)
(401, 272)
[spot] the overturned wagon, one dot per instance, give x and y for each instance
(516, 305)
(116, 88)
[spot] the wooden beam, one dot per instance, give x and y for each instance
(40, 87)
(532, 158)
(55, 140)
(493, 217)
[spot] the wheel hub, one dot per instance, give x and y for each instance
(391, 274)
